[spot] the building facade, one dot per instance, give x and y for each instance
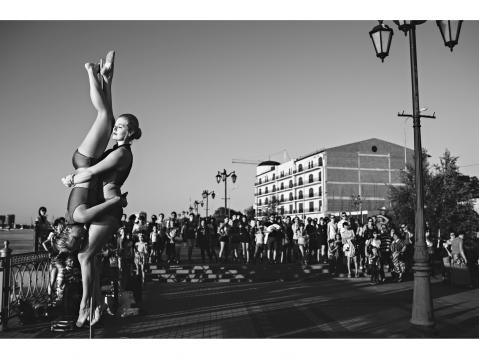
(354, 178)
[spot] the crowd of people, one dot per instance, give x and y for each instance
(350, 247)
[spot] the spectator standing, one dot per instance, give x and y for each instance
(188, 234)
(154, 240)
(141, 256)
(202, 239)
(343, 219)
(398, 252)
(42, 228)
(332, 228)
(335, 254)
(322, 240)
(162, 237)
(223, 235)
(213, 238)
(348, 239)
(312, 234)
(385, 250)
(244, 239)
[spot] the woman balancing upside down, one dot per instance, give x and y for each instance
(93, 167)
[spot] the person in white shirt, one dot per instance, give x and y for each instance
(343, 219)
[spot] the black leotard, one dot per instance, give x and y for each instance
(82, 195)
(116, 176)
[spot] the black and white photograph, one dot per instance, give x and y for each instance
(234, 176)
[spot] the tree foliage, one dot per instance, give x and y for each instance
(448, 197)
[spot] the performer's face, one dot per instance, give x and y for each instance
(120, 130)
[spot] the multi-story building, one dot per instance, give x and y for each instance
(354, 178)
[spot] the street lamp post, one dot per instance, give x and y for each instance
(223, 176)
(205, 195)
(196, 204)
(357, 202)
(422, 309)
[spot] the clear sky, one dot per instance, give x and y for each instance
(206, 92)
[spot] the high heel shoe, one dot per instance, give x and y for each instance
(83, 317)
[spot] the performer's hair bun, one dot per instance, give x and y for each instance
(133, 125)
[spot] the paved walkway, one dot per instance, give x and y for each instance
(328, 308)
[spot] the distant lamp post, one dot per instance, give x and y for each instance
(422, 309)
(205, 196)
(357, 203)
(381, 36)
(223, 176)
(196, 204)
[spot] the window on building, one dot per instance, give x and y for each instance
(300, 181)
(311, 206)
(260, 212)
(282, 185)
(274, 176)
(320, 191)
(274, 188)
(319, 176)
(300, 195)
(282, 198)
(290, 196)
(259, 202)
(289, 171)
(266, 190)
(281, 210)
(260, 181)
(311, 178)
(290, 183)
(259, 191)
(300, 208)
(300, 167)
(311, 192)
(266, 201)
(320, 161)
(290, 208)
(320, 205)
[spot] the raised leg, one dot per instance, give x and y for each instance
(84, 214)
(96, 140)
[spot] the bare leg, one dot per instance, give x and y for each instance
(99, 233)
(96, 140)
(83, 214)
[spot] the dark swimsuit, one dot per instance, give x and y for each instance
(115, 176)
(82, 195)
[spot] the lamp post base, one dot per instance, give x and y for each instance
(422, 312)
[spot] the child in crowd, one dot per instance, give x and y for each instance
(154, 239)
(141, 255)
(259, 241)
(374, 264)
(334, 254)
(49, 246)
(302, 242)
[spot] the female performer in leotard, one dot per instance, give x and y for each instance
(85, 203)
(112, 168)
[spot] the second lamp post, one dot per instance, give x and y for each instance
(205, 195)
(223, 176)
